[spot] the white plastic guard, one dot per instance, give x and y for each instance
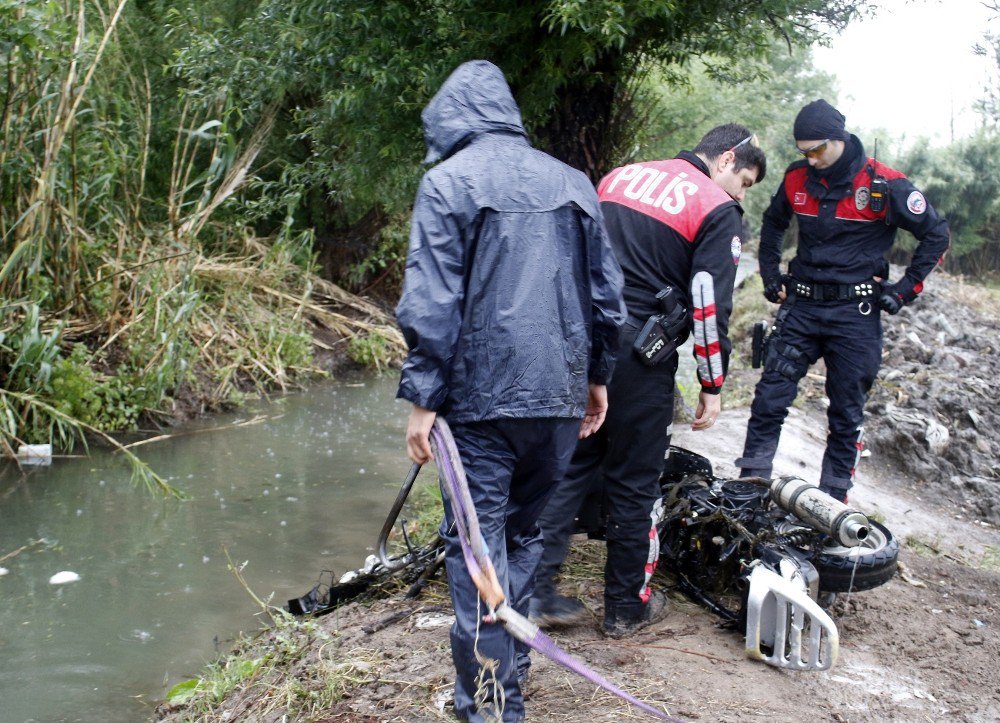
(782, 617)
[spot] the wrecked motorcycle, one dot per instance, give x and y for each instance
(764, 555)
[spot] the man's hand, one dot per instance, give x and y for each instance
(418, 435)
(709, 406)
(774, 291)
(890, 303)
(597, 409)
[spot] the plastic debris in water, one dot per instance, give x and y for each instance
(63, 577)
(3, 571)
(40, 454)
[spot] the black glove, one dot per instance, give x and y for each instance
(890, 302)
(771, 291)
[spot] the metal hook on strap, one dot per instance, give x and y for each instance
(397, 563)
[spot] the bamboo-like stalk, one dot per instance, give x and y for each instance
(64, 115)
(236, 175)
(173, 194)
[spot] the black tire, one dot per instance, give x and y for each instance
(876, 563)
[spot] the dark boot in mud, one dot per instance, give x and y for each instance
(556, 611)
(619, 626)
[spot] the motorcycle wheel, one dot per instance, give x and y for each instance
(851, 569)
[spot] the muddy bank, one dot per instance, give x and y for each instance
(934, 409)
(922, 647)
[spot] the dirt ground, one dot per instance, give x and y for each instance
(923, 647)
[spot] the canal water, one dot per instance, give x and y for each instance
(303, 487)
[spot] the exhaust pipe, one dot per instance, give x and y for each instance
(820, 511)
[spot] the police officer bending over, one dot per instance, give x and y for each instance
(848, 208)
(676, 228)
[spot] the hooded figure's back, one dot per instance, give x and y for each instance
(512, 297)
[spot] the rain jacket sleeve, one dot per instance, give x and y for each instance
(430, 310)
(606, 281)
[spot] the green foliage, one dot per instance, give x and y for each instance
(386, 256)
(220, 679)
(962, 182)
(118, 294)
(763, 94)
(31, 353)
(370, 350)
(107, 403)
(268, 670)
(355, 77)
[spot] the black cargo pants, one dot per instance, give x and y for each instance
(624, 458)
(847, 335)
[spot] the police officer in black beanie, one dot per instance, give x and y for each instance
(848, 207)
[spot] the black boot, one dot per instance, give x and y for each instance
(556, 611)
(618, 626)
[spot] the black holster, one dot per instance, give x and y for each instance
(763, 337)
(664, 332)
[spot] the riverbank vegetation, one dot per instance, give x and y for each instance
(200, 200)
(129, 292)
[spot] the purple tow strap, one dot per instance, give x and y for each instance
(478, 562)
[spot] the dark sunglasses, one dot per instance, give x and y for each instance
(813, 151)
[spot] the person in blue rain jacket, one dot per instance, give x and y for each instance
(511, 309)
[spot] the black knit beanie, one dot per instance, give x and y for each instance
(818, 121)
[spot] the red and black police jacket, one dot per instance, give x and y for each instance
(670, 225)
(842, 239)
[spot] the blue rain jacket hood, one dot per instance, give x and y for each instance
(512, 295)
(475, 99)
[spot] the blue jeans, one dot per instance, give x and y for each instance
(511, 466)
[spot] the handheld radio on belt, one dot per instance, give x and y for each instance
(661, 334)
(761, 336)
(764, 334)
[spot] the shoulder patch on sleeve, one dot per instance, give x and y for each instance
(736, 246)
(916, 203)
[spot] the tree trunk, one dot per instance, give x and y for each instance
(584, 130)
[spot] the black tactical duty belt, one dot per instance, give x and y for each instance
(834, 292)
